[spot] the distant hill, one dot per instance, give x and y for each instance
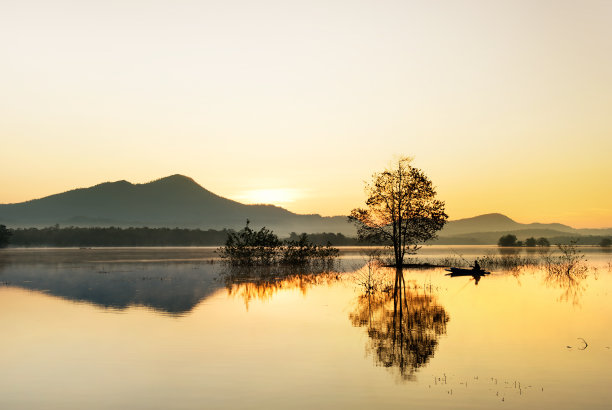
(488, 228)
(174, 201)
(496, 223)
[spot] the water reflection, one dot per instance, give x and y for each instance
(567, 271)
(474, 274)
(403, 326)
(168, 281)
(262, 283)
(509, 251)
(571, 280)
(173, 288)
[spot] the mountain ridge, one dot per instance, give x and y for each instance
(179, 201)
(173, 201)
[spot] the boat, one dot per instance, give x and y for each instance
(466, 272)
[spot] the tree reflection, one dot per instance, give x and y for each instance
(403, 326)
(509, 251)
(568, 272)
(262, 283)
(573, 287)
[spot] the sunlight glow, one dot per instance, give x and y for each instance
(275, 196)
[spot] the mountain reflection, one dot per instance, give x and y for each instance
(171, 281)
(169, 287)
(403, 327)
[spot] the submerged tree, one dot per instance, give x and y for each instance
(248, 248)
(567, 271)
(402, 210)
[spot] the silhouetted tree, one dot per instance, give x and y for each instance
(5, 236)
(402, 210)
(605, 242)
(543, 242)
(531, 242)
(507, 240)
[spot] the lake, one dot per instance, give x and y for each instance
(170, 328)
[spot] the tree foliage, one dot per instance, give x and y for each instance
(531, 242)
(605, 243)
(543, 242)
(402, 210)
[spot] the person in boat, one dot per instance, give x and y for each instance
(476, 265)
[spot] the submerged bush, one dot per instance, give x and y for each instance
(248, 248)
(571, 263)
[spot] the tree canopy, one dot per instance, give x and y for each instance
(531, 242)
(508, 240)
(402, 210)
(543, 242)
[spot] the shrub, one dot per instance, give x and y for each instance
(249, 247)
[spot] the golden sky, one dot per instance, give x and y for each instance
(505, 105)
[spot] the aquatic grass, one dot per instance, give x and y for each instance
(510, 262)
(567, 257)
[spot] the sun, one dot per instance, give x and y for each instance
(274, 196)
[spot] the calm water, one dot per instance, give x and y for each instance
(166, 328)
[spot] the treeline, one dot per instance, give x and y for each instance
(512, 241)
(603, 241)
(93, 236)
(336, 239)
(82, 237)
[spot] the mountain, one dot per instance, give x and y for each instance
(488, 228)
(496, 223)
(174, 201)
(178, 201)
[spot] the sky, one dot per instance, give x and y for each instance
(506, 106)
